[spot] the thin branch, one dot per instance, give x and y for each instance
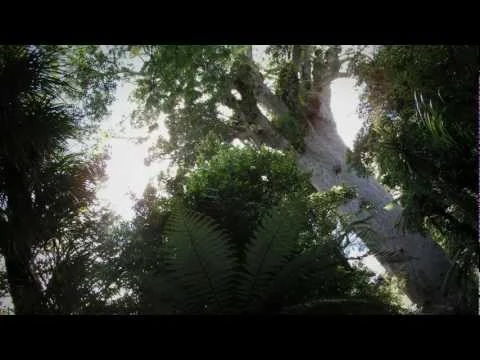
(127, 71)
(273, 102)
(297, 58)
(342, 75)
(345, 59)
(137, 138)
(361, 257)
(230, 101)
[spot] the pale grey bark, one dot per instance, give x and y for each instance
(418, 260)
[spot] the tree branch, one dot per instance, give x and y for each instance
(345, 59)
(127, 71)
(230, 101)
(341, 74)
(266, 134)
(297, 57)
(250, 52)
(361, 257)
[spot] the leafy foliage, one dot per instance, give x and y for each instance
(267, 253)
(293, 129)
(193, 86)
(236, 186)
(91, 72)
(187, 83)
(274, 258)
(419, 138)
(204, 275)
(45, 191)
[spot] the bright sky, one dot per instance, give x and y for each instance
(127, 173)
(344, 103)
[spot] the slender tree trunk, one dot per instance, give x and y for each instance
(16, 246)
(25, 291)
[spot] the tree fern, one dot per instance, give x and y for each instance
(204, 275)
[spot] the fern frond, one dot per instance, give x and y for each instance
(200, 261)
(299, 269)
(160, 295)
(273, 245)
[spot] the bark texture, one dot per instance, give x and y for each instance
(418, 260)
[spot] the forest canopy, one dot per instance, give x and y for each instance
(263, 202)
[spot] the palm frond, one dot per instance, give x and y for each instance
(34, 123)
(433, 121)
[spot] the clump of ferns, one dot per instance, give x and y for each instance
(205, 276)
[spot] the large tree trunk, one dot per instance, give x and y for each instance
(417, 259)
